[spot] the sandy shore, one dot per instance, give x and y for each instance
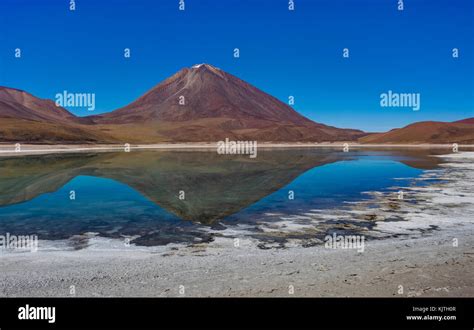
(428, 251)
(31, 149)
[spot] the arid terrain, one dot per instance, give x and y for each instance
(461, 132)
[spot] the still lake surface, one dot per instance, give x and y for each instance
(137, 194)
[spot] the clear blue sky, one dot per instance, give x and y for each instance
(282, 52)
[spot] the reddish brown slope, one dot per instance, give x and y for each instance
(427, 132)
(15, 103)
(28, 119)
(465, 121)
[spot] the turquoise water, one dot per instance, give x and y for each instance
(330, 185)
(137, 194)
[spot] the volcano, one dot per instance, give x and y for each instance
(204, 103)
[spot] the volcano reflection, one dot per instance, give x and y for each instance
(137, 193)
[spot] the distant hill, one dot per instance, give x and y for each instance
(26, 118)
(18, 104)
(461, 131)
(465, 121)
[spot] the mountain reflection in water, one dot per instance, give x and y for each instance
(137, 194)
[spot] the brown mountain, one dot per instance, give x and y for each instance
(18, 104)
(461, 131)
(204, 103)
(26, 118)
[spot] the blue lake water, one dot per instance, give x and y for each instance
(137, 194)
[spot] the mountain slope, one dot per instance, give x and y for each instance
(18, 104)
(25, 118)
(427, 132)
(215, 105)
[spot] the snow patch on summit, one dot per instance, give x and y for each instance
(197, 66)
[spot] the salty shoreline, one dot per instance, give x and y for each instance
(427, 266)
(428, 253)
(34, 149)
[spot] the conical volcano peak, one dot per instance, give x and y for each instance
(205, 103)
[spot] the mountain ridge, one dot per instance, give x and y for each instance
(201, 103)
(436, 132)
